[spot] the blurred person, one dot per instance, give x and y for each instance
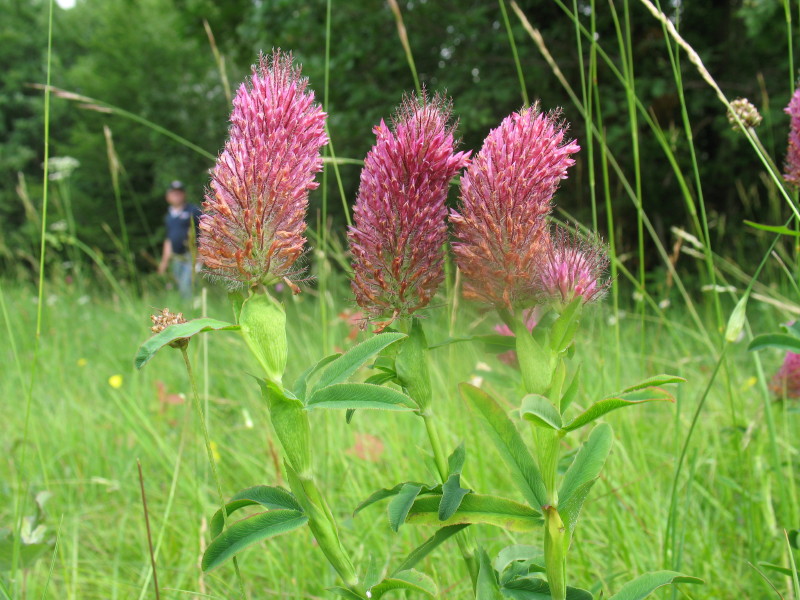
(177, 251)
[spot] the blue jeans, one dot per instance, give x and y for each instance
(182, 272)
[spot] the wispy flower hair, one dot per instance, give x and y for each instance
(400, 216)
(252, 228)
(572, 266)
(506, 195)
(791, 170)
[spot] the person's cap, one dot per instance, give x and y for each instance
(177, 185)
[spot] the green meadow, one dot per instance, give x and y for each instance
(105, 469)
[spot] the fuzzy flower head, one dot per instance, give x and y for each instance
(572, 266)
(400, 219)
(252, 228)
(791, 170)
(165, 319)
(506, 195)
(748, 114)
(786, 382)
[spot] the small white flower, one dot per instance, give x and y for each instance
(476, 381)
(665, 303)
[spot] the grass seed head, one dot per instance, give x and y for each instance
(748, 114)
(163, 320)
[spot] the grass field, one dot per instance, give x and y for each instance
(86, 436)
(704, 486)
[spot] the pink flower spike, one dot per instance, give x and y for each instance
(400, 226)
(791, 169)
(786, 382)
(573, 266)
(252, 228)
(506, 195)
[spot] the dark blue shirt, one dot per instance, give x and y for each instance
(178, 227)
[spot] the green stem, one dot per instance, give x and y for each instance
(436, 444)
(323, 525)
(201, 416)
(555, 553)
(538, 365)
(465, 539)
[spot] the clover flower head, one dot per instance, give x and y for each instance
(252, 228)
(786, 382)
(573, 266)
(791, 170)
(506, 195)
(400, 218)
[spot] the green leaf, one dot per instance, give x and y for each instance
(263, 495)
(780, 341)
(563, 330)
(486, 587)
(524, 472)
(533, 588)
(384, 493)
(606, 405)
(537, 361)
(572, 391)
(400, 505)
(455, 462)
(175, 332)
(263, 322)
(409, 579)
(430, 545)
(654, 381)
(344, 593)
(452, 495)
(237, 300)
(247, 532)
(540, 411)
(793, 538)
(301, 385)
(646, 584)
(777, 568)
(582, 473)
(381, 378)
(478, 509)
(494, 341)
(360, 395)
(781, 229)
(518, 560)
(412, 367)
(349, 362)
